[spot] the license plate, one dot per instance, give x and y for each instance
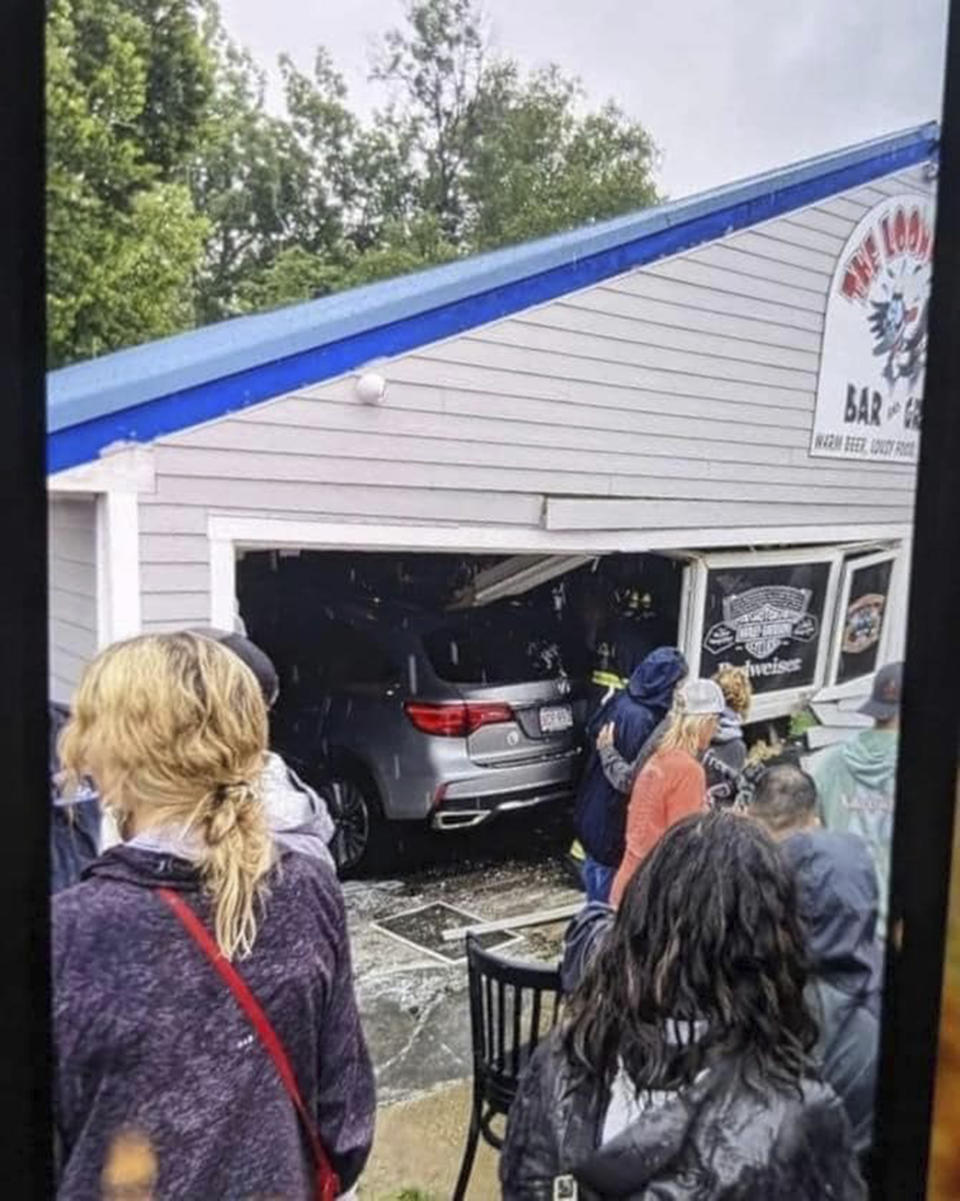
(556, 718)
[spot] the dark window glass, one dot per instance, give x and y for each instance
(504, 652)
(863, 620)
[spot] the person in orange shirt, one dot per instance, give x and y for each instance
(672, 784)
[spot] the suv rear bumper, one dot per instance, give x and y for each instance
(467, 803)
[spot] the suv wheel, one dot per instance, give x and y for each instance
(356, 817)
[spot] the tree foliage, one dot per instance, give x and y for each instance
(124, 240)
(175, 197)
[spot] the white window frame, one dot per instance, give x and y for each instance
(783, 702)
(831, 689)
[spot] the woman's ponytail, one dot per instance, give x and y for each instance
(237, 854)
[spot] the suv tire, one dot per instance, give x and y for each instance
(358, 843)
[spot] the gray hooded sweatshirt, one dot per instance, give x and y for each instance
(298, 818)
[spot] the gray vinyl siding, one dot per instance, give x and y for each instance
(72, 570)
(677, 396)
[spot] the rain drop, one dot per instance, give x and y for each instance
(412, 673)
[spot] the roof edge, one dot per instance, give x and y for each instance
(96, 403)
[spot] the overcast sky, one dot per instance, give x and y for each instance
(726, 87)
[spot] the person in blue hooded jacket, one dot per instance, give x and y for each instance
(600, 813)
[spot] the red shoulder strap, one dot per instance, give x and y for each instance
(328, 1186)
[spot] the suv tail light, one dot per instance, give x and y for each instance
(456, 720)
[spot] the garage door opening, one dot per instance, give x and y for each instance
(440, 690)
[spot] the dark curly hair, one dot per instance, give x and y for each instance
(707, 932)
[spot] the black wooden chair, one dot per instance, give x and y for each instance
(512, 1007)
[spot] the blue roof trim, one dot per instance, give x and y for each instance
(144, 393)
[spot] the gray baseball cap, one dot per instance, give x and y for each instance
(702, 698)
(884, 702)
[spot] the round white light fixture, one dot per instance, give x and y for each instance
(371, 388)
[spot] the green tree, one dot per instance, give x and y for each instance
(538, 164)
(123, 238)
(501, 157)
(436, 64)
(175, 197)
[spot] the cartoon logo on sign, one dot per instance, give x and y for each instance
(900, 334)
(872, 366)
(762, 620)
(863, 624)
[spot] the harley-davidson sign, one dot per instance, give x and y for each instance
(762, 619)
(872, 366)
(766, 619)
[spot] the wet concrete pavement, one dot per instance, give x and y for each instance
(414, 1008)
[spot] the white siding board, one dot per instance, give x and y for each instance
(74, 606)
(872, 195)
(700, 295)
(722, 279)
(520, 360)
(75, 639)
(173, 548)
(267, 471)
(80, 579)
(65, 672)
(733, 364)
(71, 587)
(630, 475)
(744, 263)
(667, 514)
(460, 387)
(319, 500)
(849, 206)
(895, 185)
(817, 218)
(176, 577)
(675, 321)
(483, 417)
(594, 450)
(783, 248)
(174, 610)
(487, 432)
(164, 519)
(676, 338)
(792, 231)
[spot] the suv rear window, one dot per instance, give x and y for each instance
(488, 654)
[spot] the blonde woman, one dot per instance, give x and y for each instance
(149, 1035)
(726, 756)
(672, 783)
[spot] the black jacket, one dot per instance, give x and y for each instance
(724, 760)
(74, 823)
(838, 895)
(717, 1140)
(838, 900)
(600, 813)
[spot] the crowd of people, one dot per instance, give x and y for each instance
(722, 982)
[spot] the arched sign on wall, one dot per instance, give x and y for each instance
(872, 366)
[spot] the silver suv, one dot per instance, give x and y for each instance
(396, 714)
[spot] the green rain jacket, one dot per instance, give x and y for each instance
(855, 783)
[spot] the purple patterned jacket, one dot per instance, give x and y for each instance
(148, 1037)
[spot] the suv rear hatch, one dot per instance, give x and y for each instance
(518, 705)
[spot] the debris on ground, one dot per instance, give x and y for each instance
(413, 1003)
